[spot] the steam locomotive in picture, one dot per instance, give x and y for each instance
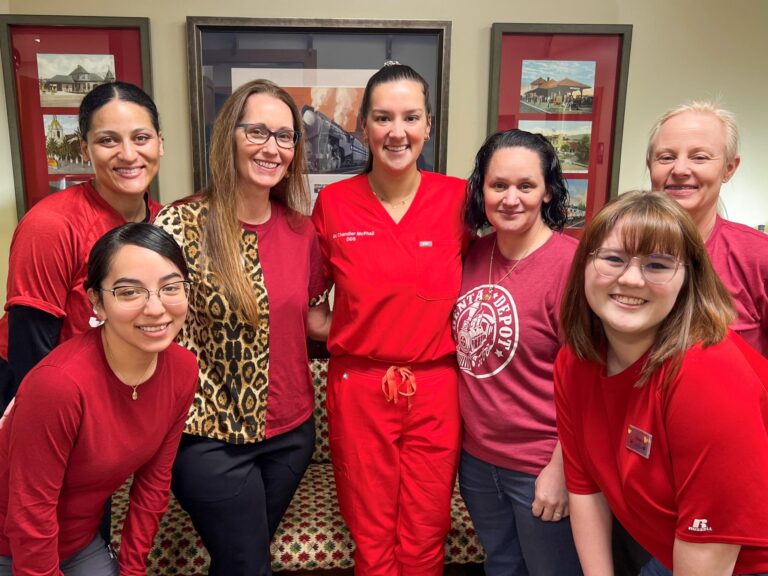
(330, 148)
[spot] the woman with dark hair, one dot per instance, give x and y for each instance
(46, 303)
(662, 410)
(105, 405)
(507, 328)
(392, 240)
(258, 291)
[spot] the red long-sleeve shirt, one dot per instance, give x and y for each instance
(72, 437)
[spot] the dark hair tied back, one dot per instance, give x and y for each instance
(139, 234)
(392, 71)
(105, 93)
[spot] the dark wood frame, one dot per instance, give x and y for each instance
(198, 26)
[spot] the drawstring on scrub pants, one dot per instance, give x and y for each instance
(395, 378)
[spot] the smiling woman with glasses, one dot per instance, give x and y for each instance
(257, 293)
(104, 405)
(662, 410)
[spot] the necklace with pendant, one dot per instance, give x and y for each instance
(491, 290)
(144, 377)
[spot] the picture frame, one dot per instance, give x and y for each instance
(49, 64)
(569, 83)
(324, 64)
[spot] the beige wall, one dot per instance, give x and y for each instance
(680, 49)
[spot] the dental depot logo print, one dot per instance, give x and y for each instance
(486, 332)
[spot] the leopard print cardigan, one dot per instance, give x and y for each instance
(231, 399)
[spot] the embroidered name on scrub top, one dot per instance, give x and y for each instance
(352, 236)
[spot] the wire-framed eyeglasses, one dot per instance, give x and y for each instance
(260, 134)
(135, 297)
(655, 268)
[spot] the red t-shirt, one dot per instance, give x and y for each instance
(506, 349)
(739, 254)
(293, 275)
(72, 437)
(395, 283)
(49, 257)
(706, 474)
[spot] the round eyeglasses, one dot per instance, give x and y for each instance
(655, 268)
(135, 297)
(260, 134)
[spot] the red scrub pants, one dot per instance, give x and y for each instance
(394, 464)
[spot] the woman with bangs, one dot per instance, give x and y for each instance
(662, 410)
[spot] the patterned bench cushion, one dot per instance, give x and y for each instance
(311, 536)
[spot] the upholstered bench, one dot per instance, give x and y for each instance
(312, 535)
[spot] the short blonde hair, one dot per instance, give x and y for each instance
(726, 117)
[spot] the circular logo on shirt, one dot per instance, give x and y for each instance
(486, 330)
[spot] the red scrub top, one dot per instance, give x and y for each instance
(395, 283)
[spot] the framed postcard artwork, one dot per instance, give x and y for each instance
(568, 83)
(324, 65)
(49, 64)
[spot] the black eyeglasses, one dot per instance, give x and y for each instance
(260, 134)
(655, 268)
(135, 297)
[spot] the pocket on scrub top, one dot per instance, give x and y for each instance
(438, 266)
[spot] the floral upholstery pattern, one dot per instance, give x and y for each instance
(312, 535)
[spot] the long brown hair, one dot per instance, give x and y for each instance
(650, 223)
(221, 229)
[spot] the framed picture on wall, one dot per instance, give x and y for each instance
(568, 83)
(324, 65)
(49, 64)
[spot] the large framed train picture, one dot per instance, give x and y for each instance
(324, 65)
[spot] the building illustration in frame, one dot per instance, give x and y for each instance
(64, 79)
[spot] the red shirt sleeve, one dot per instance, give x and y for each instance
(577, 479)
(317, 285)
(43, 262)
(149, 495)
(716, 417)
(318, 219)
(44, 425)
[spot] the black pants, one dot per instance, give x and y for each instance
(7, 384)
(628, 556)
(236, 495)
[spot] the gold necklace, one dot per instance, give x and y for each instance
(385, 200)
(491, 290)
(144, 377)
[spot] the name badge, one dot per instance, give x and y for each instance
(639, 441)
